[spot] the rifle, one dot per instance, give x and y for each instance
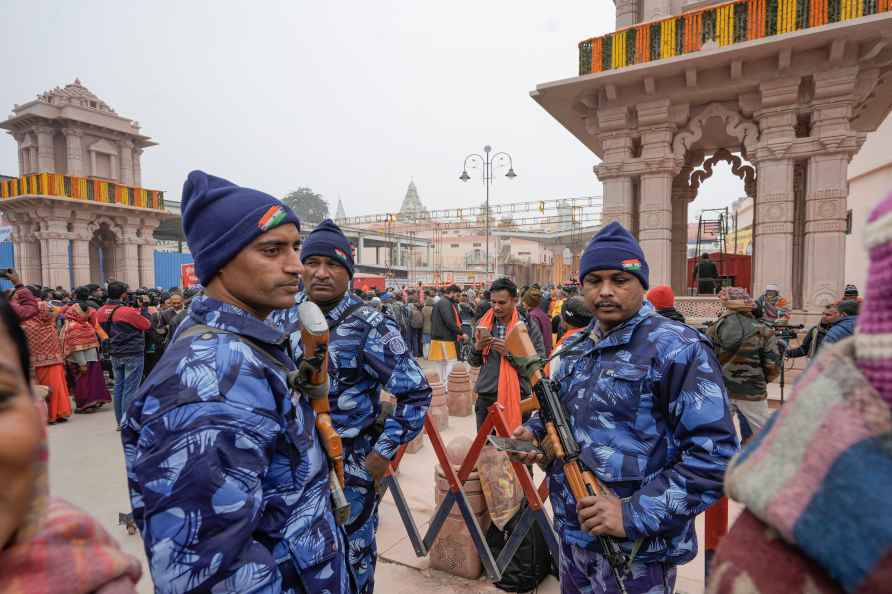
(582, 483)
(314, 338)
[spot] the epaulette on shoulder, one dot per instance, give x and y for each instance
(369, 315)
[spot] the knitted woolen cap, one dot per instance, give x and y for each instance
(614, 248)
(661, 296)
(873, 335)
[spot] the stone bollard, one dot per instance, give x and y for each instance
(458, 398)
(473, 374)
(454, 551)
(439, 410)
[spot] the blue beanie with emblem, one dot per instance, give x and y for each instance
(221, 218)
(614, 248)
(327, 239)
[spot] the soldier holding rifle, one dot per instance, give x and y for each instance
(646, 405)
(366, 353)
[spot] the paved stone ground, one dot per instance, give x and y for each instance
(87, 468)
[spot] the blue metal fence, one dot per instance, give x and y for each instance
(167, 268)
(7, 260)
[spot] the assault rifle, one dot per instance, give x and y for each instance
(314, 338)
(545, 398)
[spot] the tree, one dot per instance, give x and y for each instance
(307, 204)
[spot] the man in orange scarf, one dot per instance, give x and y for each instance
(498, 380)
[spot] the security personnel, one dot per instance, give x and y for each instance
(366, 353)
(228, 479)
(647, 403)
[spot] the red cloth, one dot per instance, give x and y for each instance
(70, 554)
(509, 383)
(59, 400)
(125, 314)
(78, 333)
(43, 339)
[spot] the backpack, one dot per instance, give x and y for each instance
(417, 319)
(531, 563)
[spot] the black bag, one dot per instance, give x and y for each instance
(532, 561)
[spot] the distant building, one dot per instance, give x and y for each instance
(77, 209)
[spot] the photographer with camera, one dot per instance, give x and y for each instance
(749, 353)
(844, 322)
(815, 335)
(126, 327)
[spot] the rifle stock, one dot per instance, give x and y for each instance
(314, 339)
(559, 436)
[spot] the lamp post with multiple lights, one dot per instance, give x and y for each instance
(486, 163)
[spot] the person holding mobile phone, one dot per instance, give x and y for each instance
(498, 380)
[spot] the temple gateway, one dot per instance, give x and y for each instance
(784, 90)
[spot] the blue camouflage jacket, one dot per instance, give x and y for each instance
(227, 477)
(648, 406)
(367, 352)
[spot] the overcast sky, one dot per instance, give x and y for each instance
(350, 98)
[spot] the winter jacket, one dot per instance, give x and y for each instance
(541, 319)
(649, 408)
(749, 353)
(427, 311)
(811, 343)
(841, 329)
(126, 331)
(443, 324)
(228, 480)
(367, 353)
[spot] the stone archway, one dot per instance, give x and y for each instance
(105, 241)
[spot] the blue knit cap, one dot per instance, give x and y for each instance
(221, 218)
(328, 240)
(614, 248)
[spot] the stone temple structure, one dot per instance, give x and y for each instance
(77, 208)
(412, 206)
(784, 90)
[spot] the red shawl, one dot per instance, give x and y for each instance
(69, 554)
(79, 332)
(43, 340)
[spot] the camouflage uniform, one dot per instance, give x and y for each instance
(751, 358)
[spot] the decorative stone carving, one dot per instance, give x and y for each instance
(735, 125)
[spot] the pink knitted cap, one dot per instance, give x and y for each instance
(873, 336)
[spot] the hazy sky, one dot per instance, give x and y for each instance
(350, 98)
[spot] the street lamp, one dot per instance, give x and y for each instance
(487, 161)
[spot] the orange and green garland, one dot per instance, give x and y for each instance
(724, 24)
(80, 188)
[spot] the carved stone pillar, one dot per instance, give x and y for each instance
(128, 260)
(774, 205)
(26, 249)
(824, 252)
(56, 270)
(626, 13)
(73, 152)
(20, 138)
(655, 202)
(147, 254)
(616, 139)
(126, 173)
(682, 196)
(137, 167)
(46, 156)
(80, 253)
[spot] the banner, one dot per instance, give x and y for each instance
(187, 275)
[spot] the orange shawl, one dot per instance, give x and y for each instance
(509, 383)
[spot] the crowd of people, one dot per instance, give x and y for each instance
(236, 484)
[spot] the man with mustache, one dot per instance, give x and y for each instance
(366, 354)
(228, 479)
(647, 402)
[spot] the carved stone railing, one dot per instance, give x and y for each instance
(717, 25)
